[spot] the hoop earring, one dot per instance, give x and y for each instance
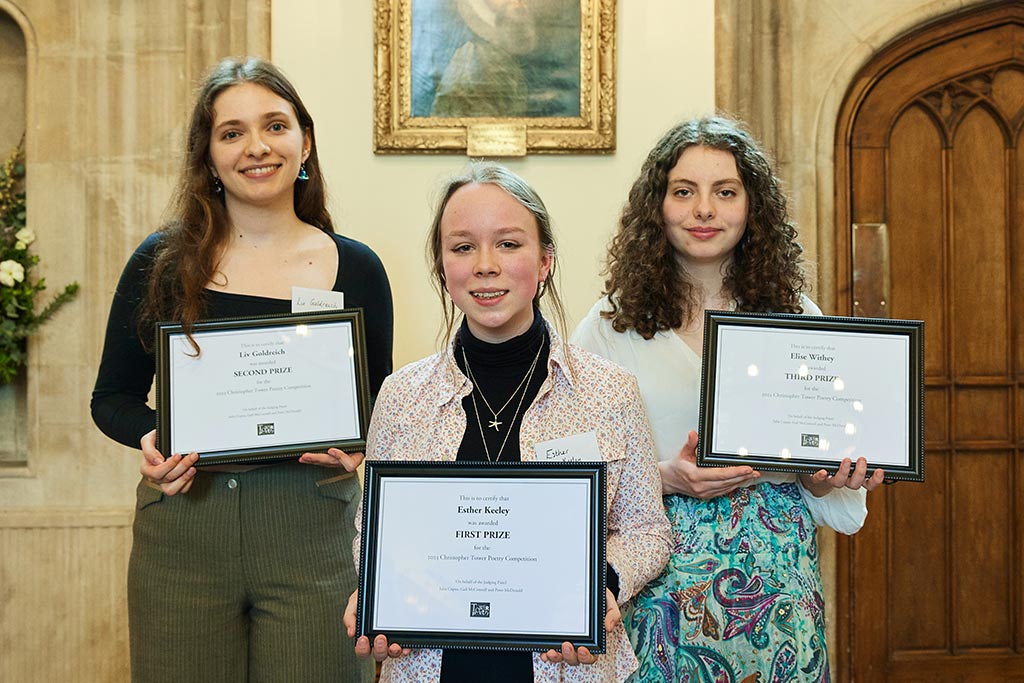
(303, 176)
(218, 186)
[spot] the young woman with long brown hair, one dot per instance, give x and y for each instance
(236, 573)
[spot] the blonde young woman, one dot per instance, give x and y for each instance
(493, 254)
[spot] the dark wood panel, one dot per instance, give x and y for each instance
(1008, 93)
(866, 594)
(980, 667)
(944, 62)
(1017, 236)
(980, 249)
(1017, 596)
(869, 181)
(936, 416)
(919, 558)
(983, 414)
(943, 561)
(917, 229)
(982, 564)
(966, 380)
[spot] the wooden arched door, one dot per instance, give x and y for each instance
(930, 225)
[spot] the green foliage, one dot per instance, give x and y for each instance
(18, 290)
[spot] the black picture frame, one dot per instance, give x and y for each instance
(378, 473)
(249, 450)
(812, 332)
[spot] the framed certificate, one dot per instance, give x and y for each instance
(481, 555)
(796, 393)
(261, 389)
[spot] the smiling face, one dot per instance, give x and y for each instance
(493, 260)
(705, 207)
(256, 146)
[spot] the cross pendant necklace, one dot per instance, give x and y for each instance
(495, 424)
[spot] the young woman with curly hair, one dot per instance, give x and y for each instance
(706, 227)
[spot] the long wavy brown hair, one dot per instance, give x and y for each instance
(647, 287)
(197, 230)
(483, 172)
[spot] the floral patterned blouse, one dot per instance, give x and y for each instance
(419, 416)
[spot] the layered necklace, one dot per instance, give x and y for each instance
(521, 390)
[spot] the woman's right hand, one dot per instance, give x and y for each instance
(683, 475)
(380, 650)
(174, 474)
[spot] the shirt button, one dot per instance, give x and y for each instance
(232, 483)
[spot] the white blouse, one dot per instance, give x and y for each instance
(668, 372)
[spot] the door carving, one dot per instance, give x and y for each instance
(930, 157)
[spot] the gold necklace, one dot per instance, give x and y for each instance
(495, 413)
(519, 406)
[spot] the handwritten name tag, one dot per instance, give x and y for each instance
(305, 299)
(575, 448)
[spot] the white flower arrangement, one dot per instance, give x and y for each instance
(11, 272)
(18, 318)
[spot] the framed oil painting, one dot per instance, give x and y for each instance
(494, 77)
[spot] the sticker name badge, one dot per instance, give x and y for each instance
(305, 300)
(575, 448)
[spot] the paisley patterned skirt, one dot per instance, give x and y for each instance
(740, 600)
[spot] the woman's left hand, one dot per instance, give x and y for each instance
(580, 655)
(848, 476)
(334, 457)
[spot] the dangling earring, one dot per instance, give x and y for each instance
(218, 187)
(303, 176)
(542, 287)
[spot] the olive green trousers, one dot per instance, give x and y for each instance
(245, 578)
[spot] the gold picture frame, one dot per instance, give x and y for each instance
(453, 76)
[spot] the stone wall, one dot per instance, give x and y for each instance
(108, 87)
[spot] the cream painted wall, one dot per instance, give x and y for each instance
(665, 67)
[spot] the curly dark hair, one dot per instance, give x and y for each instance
(192, 238)
(647, 287)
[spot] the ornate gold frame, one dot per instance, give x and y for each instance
(397, 131)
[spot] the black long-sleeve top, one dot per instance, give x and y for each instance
(498, 369)
(127, 369)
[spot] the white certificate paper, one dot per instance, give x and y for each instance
(480, 555)
(261, 388)
(476, 550)
(793, 393)
(812, 394)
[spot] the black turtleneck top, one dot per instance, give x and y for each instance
(498, 370)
